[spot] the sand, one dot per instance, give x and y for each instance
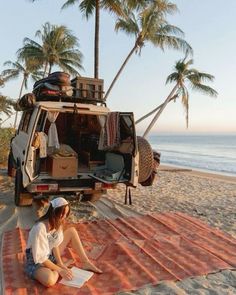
(210, 197)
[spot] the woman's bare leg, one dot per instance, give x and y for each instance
(71, 236)
(46, 276)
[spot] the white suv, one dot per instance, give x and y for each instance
(69, 147)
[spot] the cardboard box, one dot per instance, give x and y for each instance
(62, 167)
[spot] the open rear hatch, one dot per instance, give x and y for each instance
(73, 146)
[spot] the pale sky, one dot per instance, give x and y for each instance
(209, 26)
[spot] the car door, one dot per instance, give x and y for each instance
(20, 143)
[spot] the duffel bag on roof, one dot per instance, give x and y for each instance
(56, 78)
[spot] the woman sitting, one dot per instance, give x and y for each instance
(47, 242)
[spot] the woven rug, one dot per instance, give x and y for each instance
(132, 252)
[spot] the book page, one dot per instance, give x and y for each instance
(80, 276)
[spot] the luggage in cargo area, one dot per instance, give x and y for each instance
(59, 166)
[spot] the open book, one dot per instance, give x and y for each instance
(80, 276)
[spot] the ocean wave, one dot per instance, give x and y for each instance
(210, 153)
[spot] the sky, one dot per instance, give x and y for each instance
(209, 27)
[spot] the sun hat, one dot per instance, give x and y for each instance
(58, 202)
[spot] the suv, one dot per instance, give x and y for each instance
(76, 145)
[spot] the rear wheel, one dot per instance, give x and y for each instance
(22, 198)
(91, 197)
(11, 165)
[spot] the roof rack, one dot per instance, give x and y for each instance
(65, 98)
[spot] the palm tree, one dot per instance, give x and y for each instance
(58, 47)
(182, 76)
(26, 69)
(89, 7)
(6, 105)
(150, 25)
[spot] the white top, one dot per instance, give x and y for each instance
(42, 242)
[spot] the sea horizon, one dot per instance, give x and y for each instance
(214, 153)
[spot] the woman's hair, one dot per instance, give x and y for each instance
(54, 215)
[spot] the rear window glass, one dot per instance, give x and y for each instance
(24, 125)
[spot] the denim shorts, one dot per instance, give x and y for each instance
(30, 266)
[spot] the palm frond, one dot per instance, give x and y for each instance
(136, 4)
(174, 77)
(170, 42)
(10, 74)
(87, 7)
(129, 26)
(6, 105)
(204, 77)
(69, 3)
(65, 65)
(165, 6)
(204, 89)
(113, 6)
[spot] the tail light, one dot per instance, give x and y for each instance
(109, 185)
(52, 187)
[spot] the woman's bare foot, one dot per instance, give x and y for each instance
(90, 266)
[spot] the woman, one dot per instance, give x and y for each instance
(46, 243)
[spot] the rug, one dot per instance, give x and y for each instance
(132, 252)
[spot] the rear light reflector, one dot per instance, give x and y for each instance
(108, 185)
(43, 187)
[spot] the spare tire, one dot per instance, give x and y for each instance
(145, 159)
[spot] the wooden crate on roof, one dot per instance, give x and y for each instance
(90, 89)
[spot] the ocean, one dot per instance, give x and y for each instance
(210, 153)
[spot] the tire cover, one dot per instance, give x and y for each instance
(145, 159)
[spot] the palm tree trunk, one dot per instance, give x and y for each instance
(161, 110)
(50, 68)
(45, 69)
(120, 70)
(153, 111)
(96, 39)
(21, 90)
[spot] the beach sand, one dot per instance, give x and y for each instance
(209, 197)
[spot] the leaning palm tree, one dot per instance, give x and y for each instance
(183, 76)
(6, 105)
(26, 69)
(58, 47)
(150, 25)
(90, 7)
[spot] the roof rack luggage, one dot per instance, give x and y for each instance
(88, 90)
(58, 87)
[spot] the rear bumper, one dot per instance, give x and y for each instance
(86, 186)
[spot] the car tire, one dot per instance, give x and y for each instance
(91, 197)
(11, 170)
(145, 159)
(19, 189)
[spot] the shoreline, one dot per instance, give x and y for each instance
(196, 172)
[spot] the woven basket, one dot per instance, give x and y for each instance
(145, 159)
